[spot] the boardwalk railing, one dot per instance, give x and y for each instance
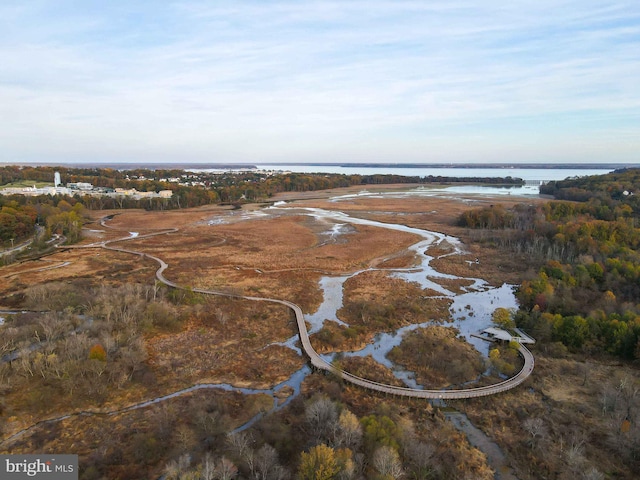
(318, 362)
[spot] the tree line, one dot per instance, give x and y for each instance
(199, 188)
(16, 221)
(585, 293)
(19, 216)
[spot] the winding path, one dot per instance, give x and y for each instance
(319, 363)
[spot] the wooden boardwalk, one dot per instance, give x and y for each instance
(319, 363)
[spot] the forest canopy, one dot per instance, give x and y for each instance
(192, 189)
(586, 291)
(20, 214)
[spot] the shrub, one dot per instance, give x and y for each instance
(97, 352)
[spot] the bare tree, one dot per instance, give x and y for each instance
(349, 431)
(39, 364)
(279, 473)
(536, 428)
(221, 316)
(108, 342)
(24, 363)
(185, 437)
(621, 401)
(628, 392)
(51, 326)
(240, 444)
(208, 467)
(387, 462)
(266, 461)
(608, 398)
(5, 373)
(163, 420)
(36, 294)
(131, 357)
(575, 456)
(176, 468)
(75, 347)
(7, 345)
(321, 417)
(593, 474)
(208, 422)
(225, 470)
(419, 457)
(586, 369)
(54, 365)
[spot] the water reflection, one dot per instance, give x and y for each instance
(451, 191)
(470, 311)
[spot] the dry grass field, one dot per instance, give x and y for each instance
(438, 357)
(282, 253)
(277, 254)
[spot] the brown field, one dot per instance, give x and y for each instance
(130, 444)
(438, 357)
(435, 213)
(568, 398)
(367, 367)
(236, 351)
(376, 302)
(243, 252)
(84, 267)
(233, 341)
(283, 256)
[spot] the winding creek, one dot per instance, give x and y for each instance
(471, 312)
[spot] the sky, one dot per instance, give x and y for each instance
(320, 81)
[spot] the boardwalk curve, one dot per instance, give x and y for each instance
(321, 364)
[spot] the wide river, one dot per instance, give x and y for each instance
(534, 176)
(541, 174)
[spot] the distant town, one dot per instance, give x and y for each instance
(85, 188)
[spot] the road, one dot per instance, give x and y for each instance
(319, 363)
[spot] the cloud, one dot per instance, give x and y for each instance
(310, 79)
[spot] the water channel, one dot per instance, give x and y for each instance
(470, 312)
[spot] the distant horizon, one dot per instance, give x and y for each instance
(381, 165)
(297, 81)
